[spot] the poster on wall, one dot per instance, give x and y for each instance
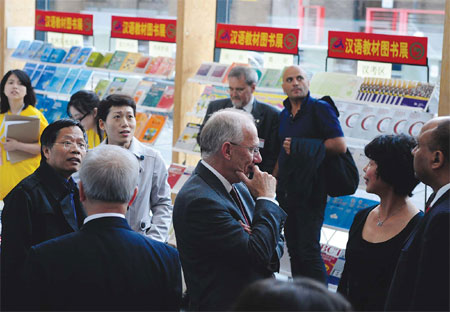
(140, 28)
(64, 22)
(253, 38)
(378, 48)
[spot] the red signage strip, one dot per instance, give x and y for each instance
(71, 23)
(378, 48)
(264, 39)
(141, 28)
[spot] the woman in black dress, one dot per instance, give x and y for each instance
(378, 233)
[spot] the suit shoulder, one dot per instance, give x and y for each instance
(270, 109)
(219, 103)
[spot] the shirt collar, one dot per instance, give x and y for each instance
(249, 106)
(224, 181)
(439, 193)
(103, 215)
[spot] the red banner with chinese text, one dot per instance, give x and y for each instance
(141, 28)
(264, 39)
(378, 48)
(63, 22)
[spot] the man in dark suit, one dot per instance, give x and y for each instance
(106, 265)
(227, 240)
(421, 279)
(42, 206)
(242, 82)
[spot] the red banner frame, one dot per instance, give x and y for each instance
(64, 22)
(141, 28)
(378, 48)
(254, 38)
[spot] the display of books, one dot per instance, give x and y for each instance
(217, 73)
(37, 74)
(52, 109)
(275, 99)
(21, 49)
(56, 56)
(154, 65)
(94, 59)
(270, 78)
(57, 79)
(225, 78)
(116, 85)
(152, 129)
(44, 49)
(202, 72)
(47, 75)
(70, 80)
(142, 64)
(154, 94)
(178, 175)
(130, 62)
(102, 87)
(46, 53)
(83, 56)
(81, 81)
(72, 55)
(166, 68)
(334, 260)
(106, 60)
(117, 60)
(141, 121)
(187, 142)
(34, 47)
(130, 86)
(29, 68)
(141, 91)
(166, 100)
(210, 93)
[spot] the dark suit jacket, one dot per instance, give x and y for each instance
(267, 123)
(104, 266)
(218, 257)
(38, 209)
(421, 279)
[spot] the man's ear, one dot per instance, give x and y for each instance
(81, 191)
(438, 160)
(46, 151)
(101, 124)
(226, 150)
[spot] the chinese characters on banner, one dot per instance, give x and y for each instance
(140, 28)
(264, 39)
(379, 48)
(71, 23)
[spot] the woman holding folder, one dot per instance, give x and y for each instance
(17, 98)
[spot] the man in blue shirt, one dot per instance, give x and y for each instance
(309, 130)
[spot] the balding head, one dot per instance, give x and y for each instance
(295, 83)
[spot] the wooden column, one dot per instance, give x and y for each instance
(444, 96)
(196, 21)
(13, 13)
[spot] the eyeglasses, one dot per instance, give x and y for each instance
(237, 90)
(68, 145)
(79, 119)
(253, 150)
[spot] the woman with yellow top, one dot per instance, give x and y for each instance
(17, 98)
(83, 107)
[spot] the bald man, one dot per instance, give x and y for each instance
(310, 131)
(421, 279)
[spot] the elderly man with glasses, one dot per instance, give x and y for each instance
(42, 206)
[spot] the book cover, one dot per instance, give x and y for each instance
(70, 80)
(166, 68)
(56, 56)
(182, 179)
(175, 172)
(141, 91)
(270, 78)
(130, 86)
(188, 138)
(152, 129)
(142, 64)
(349, 118)
(102, 87)
(72, 55)
(365, 126)
(29, 68)
(116, 85)
(217, 73)
(234, 64)
(46, 53)
(210, 93)
(154, 64)
(141, 121)
(202, 72)
(94, 59)
(21, 49)
(40, 102)
(47, 75)
(275, 99)
(37, 74)
(117, 60)
(83, 56)
(82, 80)
(166, 101)
(130, 62)
(154, 94)
(416, 120)
(106, 60)
(334, 260)
(58, 79)
(40, 52)
(34, 47)
(56, 109)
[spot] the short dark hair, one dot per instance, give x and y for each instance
(83, 101)
(30, 97)
(303, 294)
(395, 163)
(114, 100)
(50, 133)
(440, 138)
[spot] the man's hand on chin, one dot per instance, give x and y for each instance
(262, 184)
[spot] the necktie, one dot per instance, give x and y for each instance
(428, 203)
(237, 199)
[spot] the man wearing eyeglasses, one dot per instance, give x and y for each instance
(42, 206)
(242, 82)
(226, 240)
